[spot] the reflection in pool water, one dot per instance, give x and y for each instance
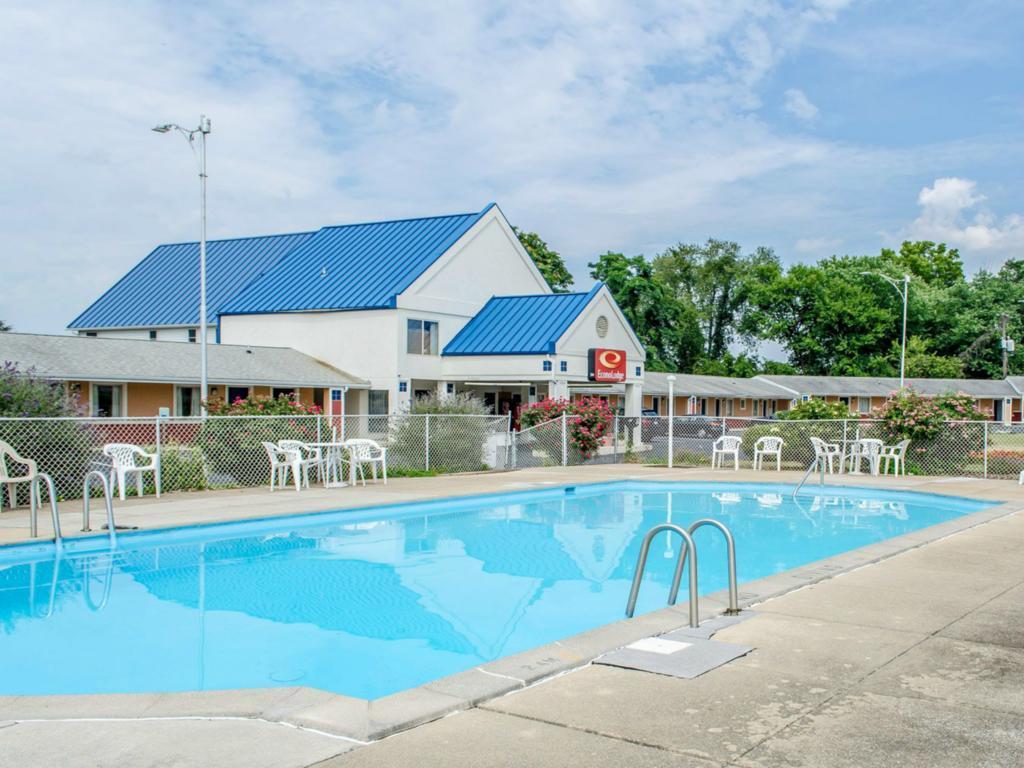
(373, 602)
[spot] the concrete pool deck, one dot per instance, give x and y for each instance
(916, 659)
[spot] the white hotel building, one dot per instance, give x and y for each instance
(444, 304)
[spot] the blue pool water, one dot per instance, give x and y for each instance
(370, 602)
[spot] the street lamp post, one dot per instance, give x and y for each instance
(671, 415)
(904, 293)
(190, 135)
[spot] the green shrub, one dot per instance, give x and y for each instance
(233, 445)
(459, 430)
(816, 409)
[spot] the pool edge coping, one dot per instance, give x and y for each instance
(362, 720)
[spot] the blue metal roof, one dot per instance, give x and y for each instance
(357, 266)
(163, 288)
(520, 325)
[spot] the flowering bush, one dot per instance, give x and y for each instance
(261, 405)
(588, 423)
(23, 394)
(908, 414)
(816, 409)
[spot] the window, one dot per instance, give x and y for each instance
(563, 366)
(449, 388)
(403, 386)
(864, 405)
(186, 401)
(152, 335)
(546, 365)
(638, 373)
(421, 337)
(378, 411)
(192, 335)
(728, 407)
(845, 401)
(318, 398)
(91, 334)
(743, 404)
(335, 395)
(237, 393)
(288, 392)
(107, 399)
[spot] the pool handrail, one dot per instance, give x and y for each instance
(730, 543)
(108, 499)
(687, 553)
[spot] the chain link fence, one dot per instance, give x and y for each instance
(968, 449)
(227, 451)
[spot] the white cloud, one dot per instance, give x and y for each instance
(946, 215)
(817, 246)
(797, 104)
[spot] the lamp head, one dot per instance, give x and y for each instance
(163, 128)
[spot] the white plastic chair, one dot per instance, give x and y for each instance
(726, 445)
(826, 452)
(309, 456)
(896, 455)
(127, 459)
(281, 463)
(768, 446)
(10, 479)
(362, 451)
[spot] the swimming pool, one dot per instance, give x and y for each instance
(369, 602)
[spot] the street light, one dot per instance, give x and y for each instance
(903, 292)
(671, 415)
(190, 135)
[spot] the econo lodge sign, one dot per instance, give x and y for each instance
(607, 365)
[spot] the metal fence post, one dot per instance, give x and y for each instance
(565, 442)
(984, 463)
(426, 442)
(615, 439)
(510, 442)
(157, 481)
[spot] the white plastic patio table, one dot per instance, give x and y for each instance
(857, 448)
(335, 455)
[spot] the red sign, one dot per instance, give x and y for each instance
(607, 364)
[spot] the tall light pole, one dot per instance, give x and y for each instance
(201, 132)
(904, 293)
(671, 415)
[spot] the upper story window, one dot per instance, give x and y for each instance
(546, 365)
(152, 335)
(192, 334)
(563, 366)
(421, 337)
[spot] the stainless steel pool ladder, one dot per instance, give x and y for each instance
(687, 554)
(107, 498)
(819, 462)
(33, 515)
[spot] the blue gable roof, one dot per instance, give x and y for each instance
(358, 266)
(520, 325)
(163, 288)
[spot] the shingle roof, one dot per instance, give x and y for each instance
(881, 385)
(520, 325)
(656, 383)
(80, 358)
(357, 266)
(163, 288)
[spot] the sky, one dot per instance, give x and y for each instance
(811, 126)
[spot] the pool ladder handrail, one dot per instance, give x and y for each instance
(687, 553)
(819, 462)
(33, 514)
(107, 498)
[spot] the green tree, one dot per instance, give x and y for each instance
(548, 261)
(4, 326)
(667, 327)
(831, 319)
(924, 364)
(716, 278)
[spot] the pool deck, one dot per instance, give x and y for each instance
(908, 652)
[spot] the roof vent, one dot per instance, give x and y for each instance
(601, 326)
(323, 271)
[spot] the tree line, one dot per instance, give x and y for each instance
(706, 308)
